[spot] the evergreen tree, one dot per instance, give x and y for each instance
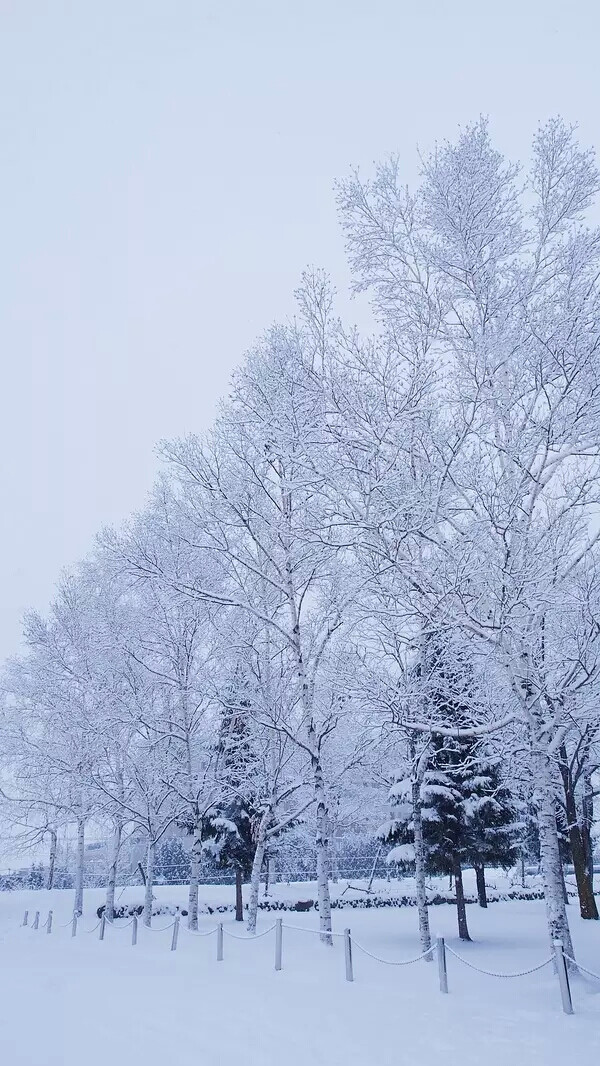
(491, 820)
(230, 831)
(467, 814)
(35, 878)
(172, 863)
(445, 817)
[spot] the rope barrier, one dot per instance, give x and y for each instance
(317, 932)
(361, 947)
(197, 932)
(93, 929)
(590, 973)
(256, 936)
(490, 973)
(160, 929)
(392, 962)
(111, 922)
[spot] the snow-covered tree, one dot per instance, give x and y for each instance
(505, 288)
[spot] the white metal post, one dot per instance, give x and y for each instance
(220, 942)
(563, 977)
(134, 926)
(442, 969)
(348, 955)
(25, 917)
(102, 926)
(278, 942)
(49, 922)
(36, 920)
(175, 934)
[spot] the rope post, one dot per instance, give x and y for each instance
(36, 920)
(440, 947)
(175, 934)
(278, 942)
(25, 917)
(563, 977)
(102, 926)
(134, 926)
(348, 955)
(49, 922)
(220, 942)
(74, 924)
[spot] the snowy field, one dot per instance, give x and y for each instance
(69, 1002)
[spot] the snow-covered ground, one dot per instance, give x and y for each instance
(68, 1002)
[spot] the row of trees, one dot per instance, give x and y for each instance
(380, 564)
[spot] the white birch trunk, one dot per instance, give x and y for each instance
(52, 858)
(551, 869)
(109, 909)
(331, 853)
(420, 884)
(195, 861)
(259, 855)
(322, 818)
(322, 850)
(148, 893)
(79, 871)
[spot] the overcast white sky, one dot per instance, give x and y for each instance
(166, 173)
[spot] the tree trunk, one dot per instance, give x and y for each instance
(480, 878)
(109, 909)
(257, 865)
(148, 893)
(587, 823)
(420, 883)
(52, 858)
(587, 903)
(239, 900)
(564, 884)
(331, 853)
(461, 909)
(550, 864)
(267, 875)
(585, 891)
(589, 854)
(195, 863)
(322, 814)
(322, 852)
(79, 872)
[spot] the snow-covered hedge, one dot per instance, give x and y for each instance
(127, 910)
(356, 902)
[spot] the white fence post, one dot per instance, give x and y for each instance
(49, 922)
(134, 926)
(36, 920)
(440, 948)
(278, 942)
(25, 917)
(563, 977)
(348, 955)
(102, 926)
(175, 934)
(74, 924)
(220, 942)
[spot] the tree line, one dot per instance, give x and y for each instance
(377, 572)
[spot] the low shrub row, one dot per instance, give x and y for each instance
(364, 902)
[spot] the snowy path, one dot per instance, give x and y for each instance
(66, 1002)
